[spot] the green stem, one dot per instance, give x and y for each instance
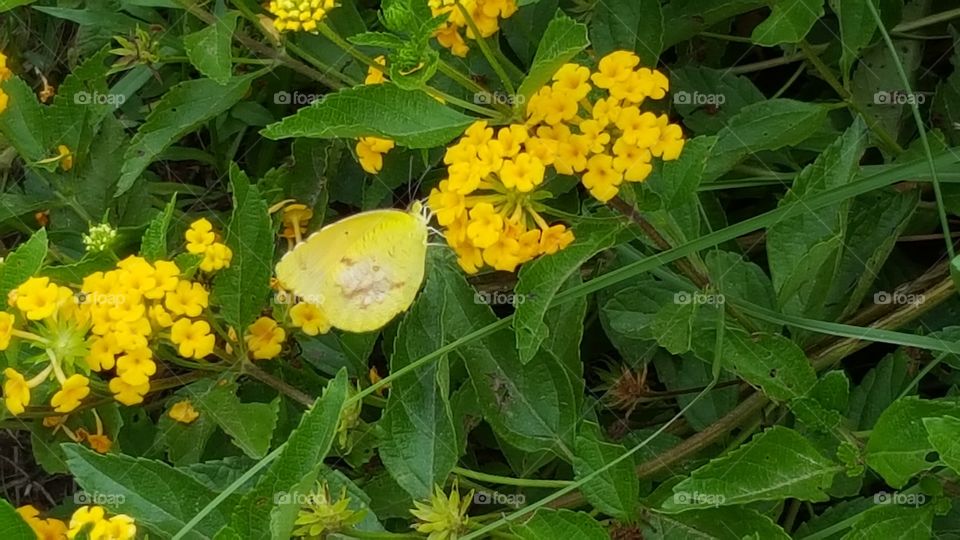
(487, 53)
(469, 84)
(766, 64)
(915, 108)
(317, 63)
(929, 20)
(461, 103)
(923, 373)
(509, 481)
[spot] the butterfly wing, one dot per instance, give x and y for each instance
(362, 270)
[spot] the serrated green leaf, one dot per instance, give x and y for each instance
(770, 361)
(153, 245)
(242, 289)
(562, 40)
(678, 179)
(419, 446)
(161, 497)
(258, 515)
(377, 39)
(789, 22)
(23, 263)
(679, 373)
(695, 87)
(730, 523)
(893, 521)
(22, 122)
(687, 18)
(180, 111)
(944, 435)
(209, 49)
(411, 118)
(632, 25)
(553, 524)
(250, 425)
(614, 492)
(768, 125)
(857, 28)
(541, 279)
(776, 464)
(878, 389)
(11, 524)
(898, 447)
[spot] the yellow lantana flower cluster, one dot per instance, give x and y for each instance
(488, 204)
(202, 239)
(5, 74)
(606, 140)
(293, 15)
(485, 16)
(370, 150)
(93, 521)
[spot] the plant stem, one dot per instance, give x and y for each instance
(824, 71)
(766, 64)
(508, 481)
(453, 74)
(461, 103)
(929, 20)
(487, 53)
(293, 393)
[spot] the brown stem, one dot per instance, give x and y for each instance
(293, 393)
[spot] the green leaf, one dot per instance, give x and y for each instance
(11, 524)
(411, 118)
(737, 278)
(614, 492)
(249, 425)
(23, 263)
(562, 40)
(209, 49)
(161, 497)
(632, 25)
(180, 111)
(729, 523)
(899, 447)
(680, 373)
(857, 28)
(944, 435)
(628, 315)
(7, 5)
(382, 40)
(879, 388)
(256, 515)
(893, 521)
(541, 279)
(678, 179)
(687, 18)
(553, 524)
(153, 245)
(241, 289)
(694, 87)
(776, 464)
(770, 361)
(804, 251)
(419, 447)
(789, 22)
(185, 443)
(768, 125)
(22, 122)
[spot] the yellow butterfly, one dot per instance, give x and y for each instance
(362, 270)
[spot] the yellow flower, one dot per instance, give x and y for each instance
(7, 321)
(200, 236)
(83, 517)
(370, 151)
(136, 367)
(296, 217)
(523, 173)
(192, 338)
(100, 443)
(615, 68)
(16, 391)
(183, 412)
(187, 299)
(485, 15)
(160, 316)
(292, 16)
(5, 72)
(601, 178)
(309, 318)
(71, 392)
(555, 238)
(573, 79)
(37, 298)
(65, 156)
(264, 338)
(92, 519)
(374, 75)
(443, 517)
(4, 100)
(126, 393)
(102, 353)
(216, 256)
(44, 529)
